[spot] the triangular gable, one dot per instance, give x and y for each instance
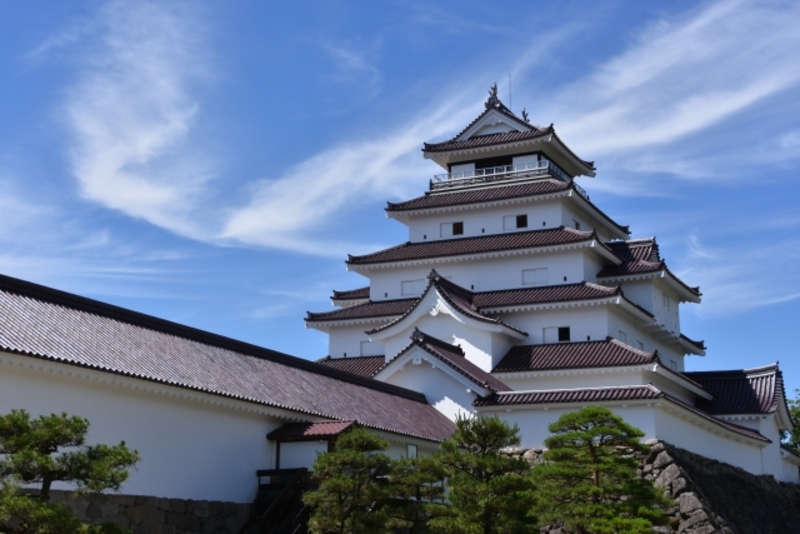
(465, 373)
(437, 299)
(492, 121)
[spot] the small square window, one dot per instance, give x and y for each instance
(563, 333)
(522, 221)
(458, 228)
(411, 450)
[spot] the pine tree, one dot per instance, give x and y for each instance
(588, 479)
(415, 494)
(488, 492)
(352, 486)
(32, 455)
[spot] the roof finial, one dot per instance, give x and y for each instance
(525, 115)
(417, 335)
(493, 100)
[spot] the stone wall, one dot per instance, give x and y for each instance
(153, 515)
(710, 497)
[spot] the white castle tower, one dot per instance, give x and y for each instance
(515, 295)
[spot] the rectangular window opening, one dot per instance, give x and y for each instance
(458, 228)
(412, 288)
(534, 277)
(411, 450)
(563, 333)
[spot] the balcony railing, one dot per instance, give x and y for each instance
(543, 167)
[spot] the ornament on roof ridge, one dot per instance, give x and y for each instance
(525, 116)
(493, 99)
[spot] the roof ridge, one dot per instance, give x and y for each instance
(123, 315)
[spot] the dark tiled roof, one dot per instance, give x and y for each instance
(304, 431)
(41, 322)
(361, 365)
(740, 391)
(585, 354)
(639, 257)
(542, 294)
(485, 194)
(453, 356)
(455, 295)
(351, 294)
(487, 140)
(474, 245)
(381, 308)
(611, 394)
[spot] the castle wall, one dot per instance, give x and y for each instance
(192, 445)
(448, 395)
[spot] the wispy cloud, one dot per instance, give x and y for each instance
(679, 77)
(131, 112)
(354, 65)
(732, 279)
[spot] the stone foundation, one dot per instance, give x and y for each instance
(709, 497)
(153, 515)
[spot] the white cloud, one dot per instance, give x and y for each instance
(130, 113)
(354, 65)
(679, 77)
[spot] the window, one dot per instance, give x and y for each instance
(411, 450)
(577, 224)
(666, 300)
(556, 334)
(412, 288)
(451, 229)
(534, 277)
(673, 364)
(512, 222)
(640, 344)
(623, 336)
(371, 348)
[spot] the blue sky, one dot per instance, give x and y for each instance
(213, 163)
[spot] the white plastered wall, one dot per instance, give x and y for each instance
(488, 274)
(486, 221)
(345, 341)
(192, 445)
(584, 322)
(447, 394)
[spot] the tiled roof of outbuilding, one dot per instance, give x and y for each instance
(453, 356)
(585, 354)
(351, 294)
(741, 391)
(365, 366)
(307, 431)
(480, 195)
(608, 394)
(474, 245)
(44, 323)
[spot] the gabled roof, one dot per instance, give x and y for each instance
(475, 245)
(542, 294)
(380, 308)
(309, 431)
(520, 131)
(365, 366)
(742, 391)
(606, 394)
(540, 187)
(43, 323)
(457, 297)
(480, 195)
(641, 256)
(585, 354)
(351, 294)
(476, 302)
(452, 356)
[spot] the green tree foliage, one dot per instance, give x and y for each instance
(352, 486)
(588, 480)
(792, 439)
(488, 492)
(415, 493)
(32, 455)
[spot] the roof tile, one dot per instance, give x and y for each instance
(42, 322)
(740, 391)
(585, 354)
(303, 431)
(365, 366)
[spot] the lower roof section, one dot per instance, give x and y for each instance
(365, 366)
(605, 395)
(309, 431)
(579, 355)
(40, 322)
